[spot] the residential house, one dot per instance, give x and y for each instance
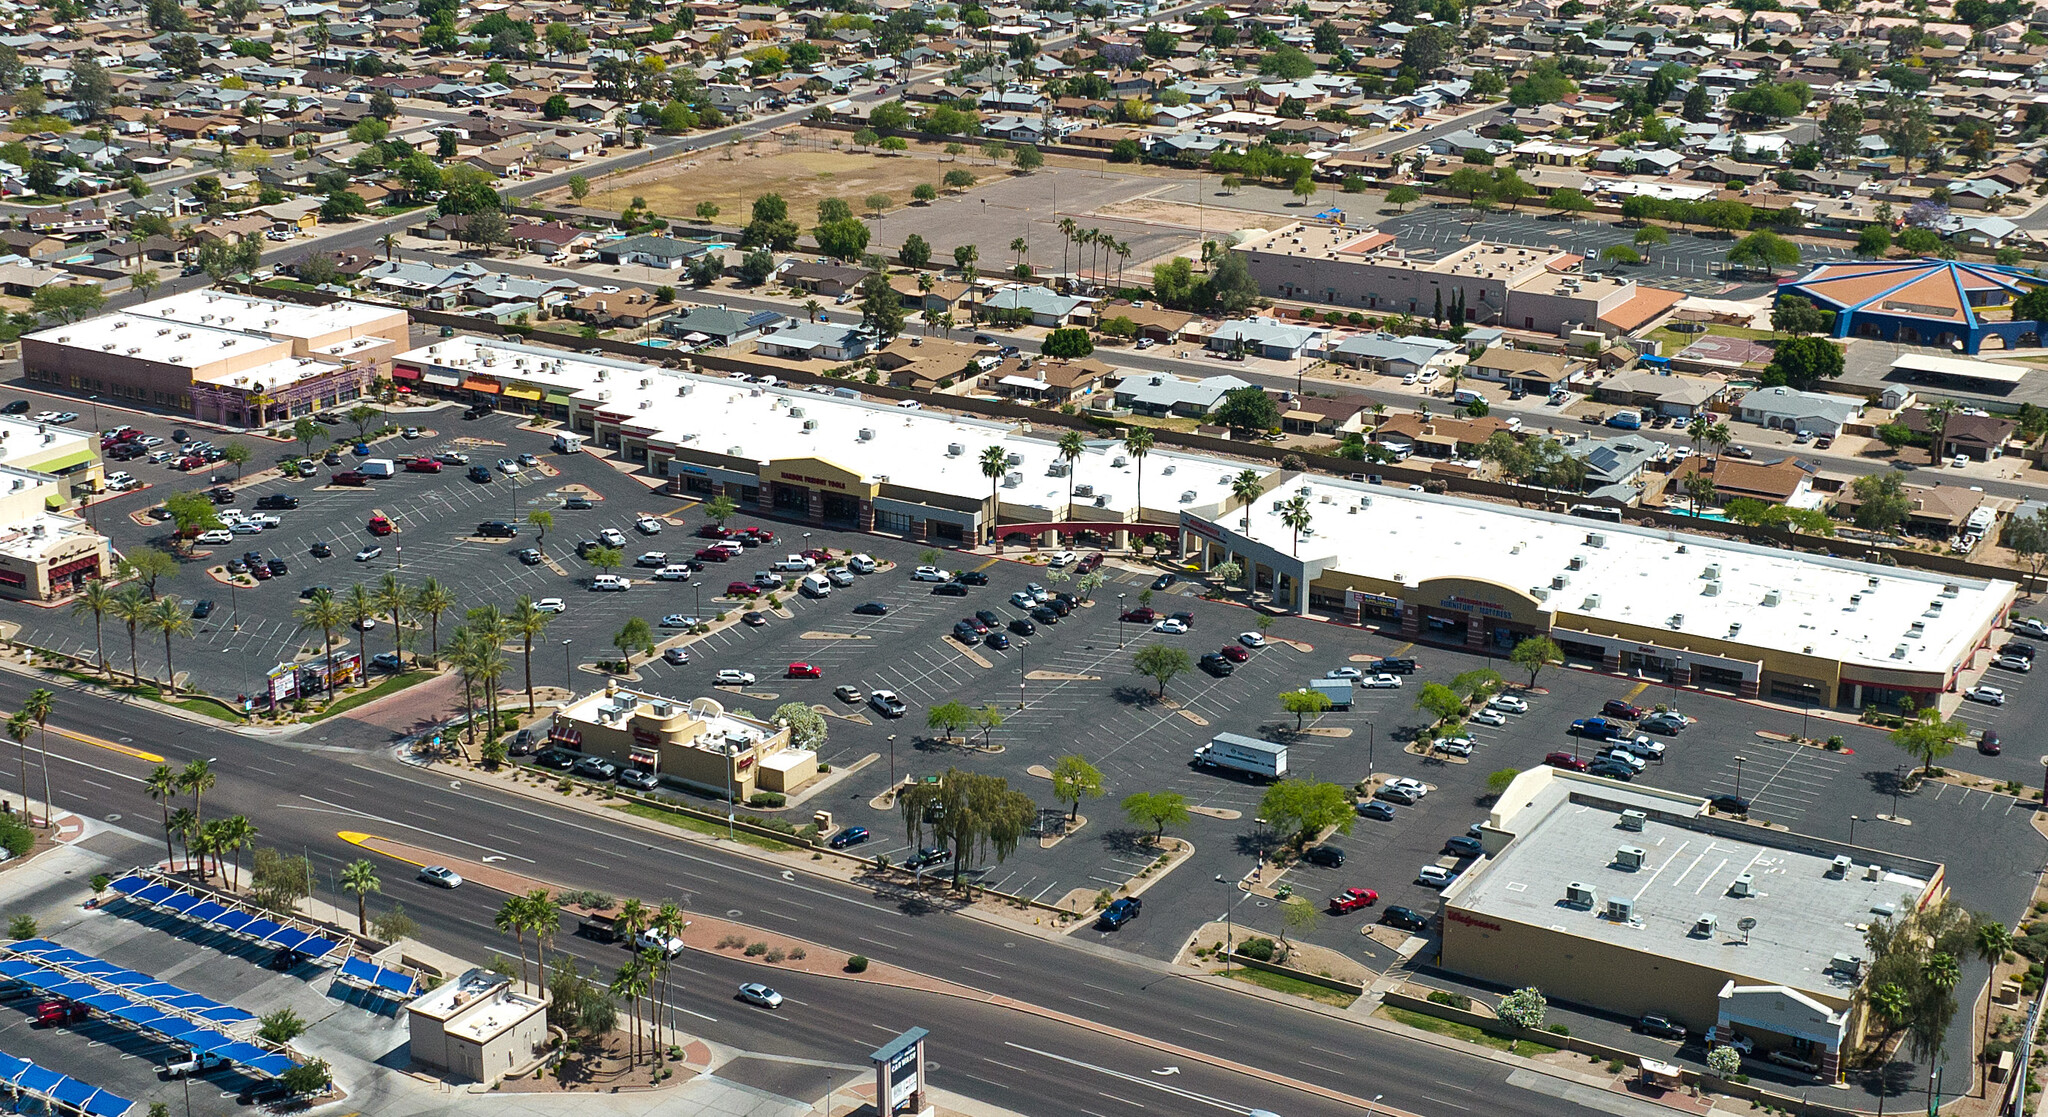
(1443, 437)
(649, 250)
(1048, 381)
(1390, 355)
(1163, 393)
(1784, 481)
(629, 309)
(1789, 409)
(1680, 397)
(1264, 337)
(932, 364)
(823, 340)
(717, 325)
(1937, 512)
(1614, 465)
(1979, 437)
(1525, 370)
(822, 279)
(1045, 307)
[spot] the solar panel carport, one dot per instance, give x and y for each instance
(24, 1077)
(151, 890)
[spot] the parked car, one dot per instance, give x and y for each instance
(851, 836)
(1407, 919)
(848, 694)
(1352, 899)
(730, 676)
(1119, 912)
(595, 768)
(1730, 804)
(886, 703)
(1989, 695)
(1616, 708)
(2014, 663)
(1381, 682)
(930, 574)
(804, 671)
(1434, 876)
(1508, 703)
(1652, 1024)
(871, 609)
(639, 779)
(1328, 856)
(1487, 717)
(1215, 664)
(1566, 761)
(1376, 809)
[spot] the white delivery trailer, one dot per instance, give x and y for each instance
(1338, 691)
(378, 467)
(1234, 752)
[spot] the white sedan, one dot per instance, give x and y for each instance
(930, 574)
(1488, 717)
(550, 605)
(1509, 703)
(1989, 695)
(1063, 558)
(1251, 639)
(647, 525)
(1410, 785)
(731, 677)
(1381, 682)
(441, 875)
(1344, 673)
(1171, 627)
(755, 993)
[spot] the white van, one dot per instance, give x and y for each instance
(815, 585)
(1464, 396)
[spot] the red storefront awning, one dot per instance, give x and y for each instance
(400, 372)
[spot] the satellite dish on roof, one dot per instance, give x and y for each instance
(1745, 925)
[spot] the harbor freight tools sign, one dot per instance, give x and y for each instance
(899, 1073)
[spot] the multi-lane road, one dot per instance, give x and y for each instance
(301, 794)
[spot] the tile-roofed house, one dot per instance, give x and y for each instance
(1677, 396)
(1981, 437)
(1781, 482)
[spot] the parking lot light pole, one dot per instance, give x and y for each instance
(1853, 820)
(1739, 762)
(1370, 733)
(1120, 621)
(568, 673)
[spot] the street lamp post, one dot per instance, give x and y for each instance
(1853, 820)
(1375, 1101)
(1739, 762)
(1120, 621)
(1371, 732)
(1671, 679)
(568, 673)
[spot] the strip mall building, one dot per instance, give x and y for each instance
(1747, 620)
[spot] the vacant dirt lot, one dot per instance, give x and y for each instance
(802, 175)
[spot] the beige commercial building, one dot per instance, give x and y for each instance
(477, 1027)
(1634, 900)
(696, 744)
(1499, 284)
(222, 356)
(44, 554)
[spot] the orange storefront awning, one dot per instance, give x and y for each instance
(475, 385)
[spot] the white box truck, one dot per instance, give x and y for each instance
(1249, 756)
(1338, 691)
(378, 467)
(566, 443)
(815, 585)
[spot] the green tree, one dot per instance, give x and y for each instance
(359, 879)
(1802, 362)
(1067, 343)
(1534, 653)
(1304, 703)
(975, 814)
(1156, 809)
(1497, 782)
(1247, 409)
(281, 1026)
(881, 308)
(1074, 779)
(68, 303)
(1304, 810)
(1440, 702)
(1882, 503)
(1524, 1007)
(807, 728)
(636, 635)
(1874, 240)
(1403, 196)
(1928, 738)
(1161, 662)
(1764, 252)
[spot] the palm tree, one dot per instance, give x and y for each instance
(162, 785)
(1071, 446)
(1702, 422)
(37, 706)
(669, 922)
(1019, 246)
(487, 623)
(201, 840)
(1991, 943)
(630, 984)
(236, 833)
(1937, 421)
(1123, 253)
(359, 879)
(1138, 443)
(1296, 515)
(994, 462)
(543, 918)
(18, 726)
(169, 618)
(543, 521)
(184, 824)
(511, 919)
(529, 623)
(130, 606)
(633, 918)
(464, 654)
(430, 601)
(390, 243)
(98, 599)
(197, 778)
(1067, 230)
(323, 612)
(812, 307)
(361, 607)
(1246, 486)
(394, 599)
(1719, 436)
(1379, 415)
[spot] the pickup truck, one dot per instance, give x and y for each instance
(1598, 729)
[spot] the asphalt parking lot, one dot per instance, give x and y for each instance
(1691, 263)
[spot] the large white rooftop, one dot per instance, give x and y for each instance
(231, 310)
(159, 341)
(1687, 585)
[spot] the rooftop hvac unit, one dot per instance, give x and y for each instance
(1102, 502)
(810, 424)
(1711, 589)
(1712, 572)
(1743, 886)
(1084, 490)
(1771, 598)
(1168, 471)
(1951, 590)
(1873, 872)
(1703, 927)
(954, 449)
(1014, 459)
(1621, 910)
(1118, 462)
(1187, 497)
(1840, 866)
(1592, 601)
(685, 389)
(796, 412)
(1579, 894)
(1540, 593)
(1633, 820)
(1058, 468)
(1734, 628)
(1012, 480)
(1900, 651)
(1847, 965)
(1629, 857)
(1595, 539)
(1916, 628)
(645, 382)
(1560, 581)
(867, 434)
(1887, 910)
(1677, 620)
(1578, 562)
(734, 451)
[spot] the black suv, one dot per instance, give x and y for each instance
(561, 760)
(1022, 627)
(1396, 666)
(278, 500)
(496, 529)
(971, 578)
(1407, 919)
(1119, 913)
(1660, 1026)
(1215, 664)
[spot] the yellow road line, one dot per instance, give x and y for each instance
(1638, 689)
(356, 837)
(986, 565)
(1404, 649)
(100, 743)
(681, 508)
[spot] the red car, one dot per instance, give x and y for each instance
(1235, 653)
(804, 671)
(712, 554)
(713, 531)
(742, 589)
(57, 1013)
(759, 535)
(378, 525)
(1351, 899)
(189, 462)
(1143, 614)
(354, 477)
(1566, 761)
(423, 465)
(1089, 563)
(818, 556)
(1616, 708)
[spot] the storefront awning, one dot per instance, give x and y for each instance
(558, 399)
(76, 458)
(566, 735)
(522, 393)
(438, 378)
(475, 385)
(401, 373)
